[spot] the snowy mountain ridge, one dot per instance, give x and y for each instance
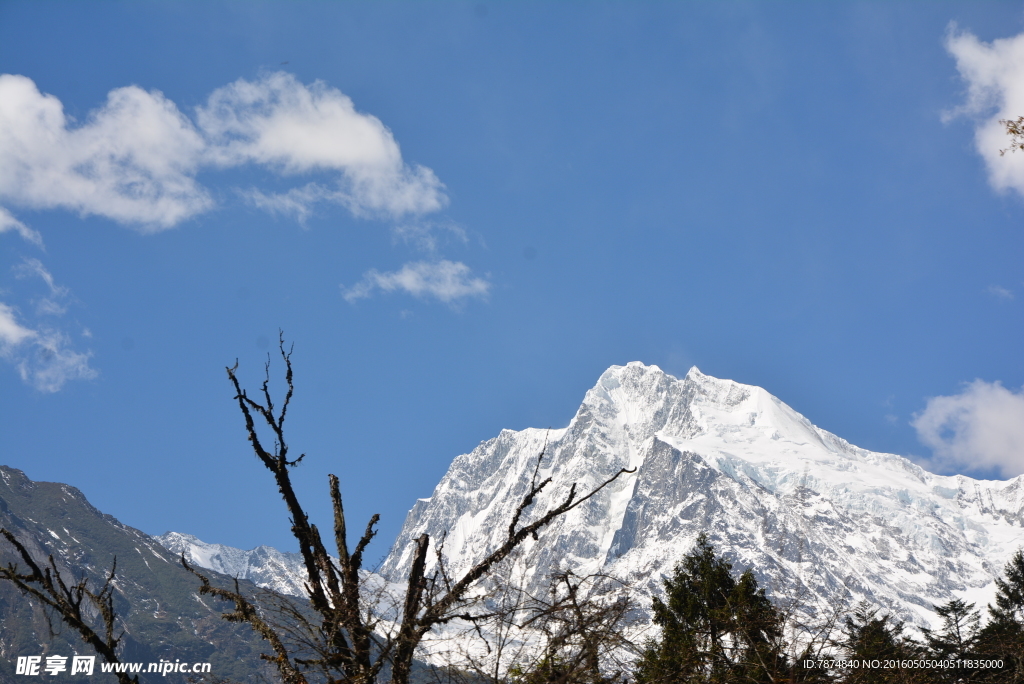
(264, 566)
(813, 516)
(809, 513)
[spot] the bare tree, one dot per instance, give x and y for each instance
(355, 646)
(585, 623)
(47, 586)
(480, 647)
(575, 630)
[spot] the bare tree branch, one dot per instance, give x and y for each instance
(246, 612)
(349, 646)
(515, 537)
(47, 586)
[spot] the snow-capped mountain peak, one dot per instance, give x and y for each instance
(807, 511)
(265, 566)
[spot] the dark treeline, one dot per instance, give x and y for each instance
(718, 628)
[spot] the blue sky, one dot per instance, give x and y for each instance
(462, 213)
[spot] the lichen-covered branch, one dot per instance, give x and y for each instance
(47, 586)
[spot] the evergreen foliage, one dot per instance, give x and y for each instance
(715, 628)
(870, 636)
(957, 640)
(959, 633)
(1003, 637)
(720, 629)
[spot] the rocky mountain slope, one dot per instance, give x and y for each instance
(163, 616)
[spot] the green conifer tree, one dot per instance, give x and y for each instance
(959, 631)
(871, 637)
(1003, 637)
(715, 629)
(956, 641)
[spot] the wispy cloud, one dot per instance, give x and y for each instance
(42, 357)
(427, 235)
(1000, 292)
(50, 362)
(52, 304)
(994, 73)
(9, 223)
(34, 267)
(136, 158)
(12, 333)
(40, 352)
(447, 281)
(980, 428)
(298, 203)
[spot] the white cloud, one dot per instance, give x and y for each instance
(41, 354)
(994, 73)
(42, 358)
(982, 427)
(12, 333)
(280, 123)
(135, 159)
(50, 363)
(297, 202)
(8, 222)
(448, 281)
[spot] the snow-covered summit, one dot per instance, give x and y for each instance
(810, 513)
(265, 566)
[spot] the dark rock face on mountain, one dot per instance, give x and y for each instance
(163, 616)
